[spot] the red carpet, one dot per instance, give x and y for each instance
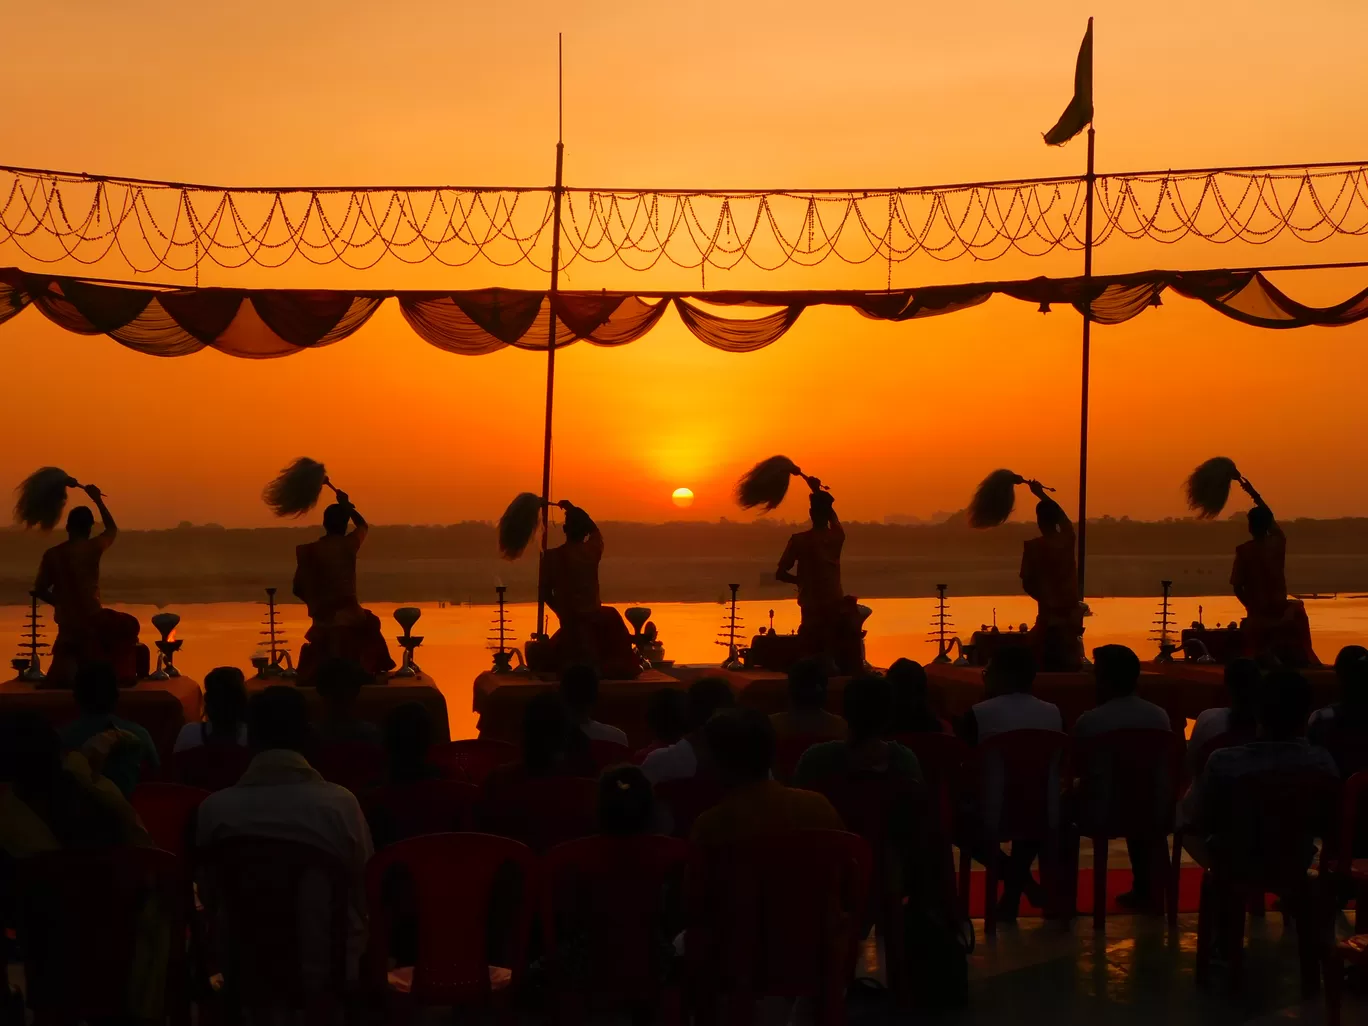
(1118, 882)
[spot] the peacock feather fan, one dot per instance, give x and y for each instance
(1208, 487)
(518, 524)
(295, 490)
(41, 497)
(766, 483)
(994, 499)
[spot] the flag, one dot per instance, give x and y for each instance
(1079, 113)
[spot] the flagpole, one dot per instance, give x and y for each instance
(551, 329)
(1087, 360)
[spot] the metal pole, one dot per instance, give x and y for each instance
(551, 330)
(1087, 361)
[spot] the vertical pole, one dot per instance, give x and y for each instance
(1087, 360)
(551, 329)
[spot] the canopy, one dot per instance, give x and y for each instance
(266, 323)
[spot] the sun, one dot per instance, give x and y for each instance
(683, 497)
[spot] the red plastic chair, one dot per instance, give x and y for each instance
(356, 765)
(688, 798)
(609, 894)
(1144, 771)
(471, 760)
(1344, 869)
(400, 811)
(780, 916)
(253, 886)
(942, 758)
(168, 813)
(78, 918)
(789, 748)
(608, 753)
(454, 878)
(1262, 847)
(542, 811)
(1028, 765)
(210, 767)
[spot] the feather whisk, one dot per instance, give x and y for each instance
(1208, 487)
(519, 524)
(766, 483)
(41, 497)
(295, 490)
(994, 499)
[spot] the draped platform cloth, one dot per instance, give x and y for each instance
(268, 323)
(1199, 686)
(500, 698)
(377, 701)
(162, 707)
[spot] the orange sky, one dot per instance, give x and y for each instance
(899, 418)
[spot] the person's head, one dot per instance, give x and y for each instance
(1260, 521)
(742, 745)
(907, 684)
(626, 803)
(1010, 671)
(336, 518)
(1117, 670)
(807, 684)
(80, 522)
(339, 683)
(579, 686)
(821, 507)
(868, 707)
(707, 696)
(408, 736)
(30, 751)
(96, 688)
(225, 700)
(1049, 516)
(667, 714)
(577, 524)
(1351, 670)
(1242, 680)
(546, 732)
(278, 717)
(1284, 705)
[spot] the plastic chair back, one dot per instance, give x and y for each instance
(1018, 775)
(1266, 838)
(1349, 748)
(1229, 739)
(79, 915)
(781, 916)
(541, 811)
(210, 767)
(610, 897)
(1352, 796)
(1130, 781)
(453, 877)
(256, 886)
(168, 813)
(356, 765)
(688, 798)
(789, 748)
(471, 760)
(399, 811)
(608, 753)
(942, 758)
(879, 807)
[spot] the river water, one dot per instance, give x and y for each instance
(455, 646)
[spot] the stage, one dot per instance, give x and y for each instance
(377, 700)
(500, 698)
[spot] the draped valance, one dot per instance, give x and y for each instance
(267, 323)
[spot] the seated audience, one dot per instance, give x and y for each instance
(1117, 672)
(690, 756)
(1342, 726)
(742, 745)
(667, 714)
(1242, 679)
(96, 691)
(339, 683)
(1284, 703)
(626, 803)
(225, 712)
(579, 687)
(408, 739)
(281, 797)
(911, 707)
(806, 715)
(868, 706)
(551, 746)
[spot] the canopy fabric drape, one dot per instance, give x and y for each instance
(268, 323)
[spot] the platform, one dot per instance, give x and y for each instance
(377, 700)
(499, 700)
(161, 707)
(953, 690)
(1199, 686)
